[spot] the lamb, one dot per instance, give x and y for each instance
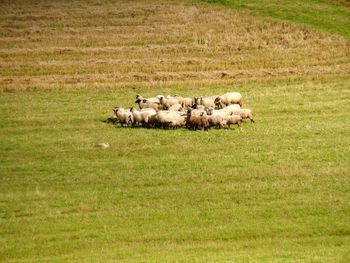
(229, 98)
(168, 102)
(124, 116)
(233, 119)
(245, 114)
(148, 104)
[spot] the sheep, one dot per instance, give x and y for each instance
(124, 116)
(153, 121)
(175, 111)
(197, 112)
(176, 107)
(148, 104)
(231, 108)
(195, 122)
(198, 107)
(228, 98)
(137, 116)
(222, 112)
(147, 113)
(217, 120)
(245, 114)
(168, 102)
(170, 118)
(178, 121)
(154, 99)
(233, 119)
(206, 102)
(141, 117)
(186, 102)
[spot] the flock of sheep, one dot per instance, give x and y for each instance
(176, 111)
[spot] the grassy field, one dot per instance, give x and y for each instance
(276, 191)
(329, 15)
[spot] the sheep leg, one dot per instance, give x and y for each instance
(251, 118)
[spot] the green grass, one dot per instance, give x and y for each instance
(331, 16)
(277, 190)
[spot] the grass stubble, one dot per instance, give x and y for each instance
(277, 190)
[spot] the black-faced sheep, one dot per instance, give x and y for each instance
(154, 99)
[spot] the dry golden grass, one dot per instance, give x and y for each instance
(94, 44)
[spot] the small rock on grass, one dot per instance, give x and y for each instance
(102, 145)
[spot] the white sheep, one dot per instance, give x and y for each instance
(229, 98)
(124, 116)
(197, 112)
(208, 102)
(147, 113)
(148, 104)
(176, 107)
(168, 101)
(186, 102)
(233, 119)
(170, 118)
(141, 117)
(245, 114)
(154, 99)
(217, 120)
(137, 117)
(231, 108)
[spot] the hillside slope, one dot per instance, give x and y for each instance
(61, 44)
(332, 15)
